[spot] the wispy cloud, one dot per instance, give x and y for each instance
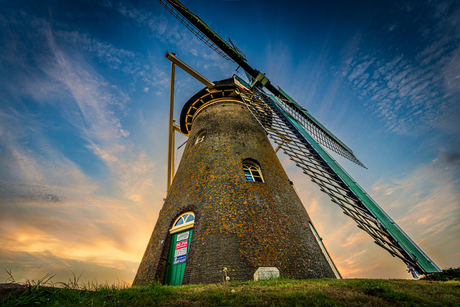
(166, 29)
(57, 215)
(51, 209)
(130, 63)
(425, 203)
(412, 92)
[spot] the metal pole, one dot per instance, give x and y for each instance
(171, 131)
(189, 70)
(173, 151)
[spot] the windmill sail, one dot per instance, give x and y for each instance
(320, 133)
(231, 53)
(299, 135)
(303, 149)
(201, 30)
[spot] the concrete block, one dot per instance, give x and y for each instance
(266, 273)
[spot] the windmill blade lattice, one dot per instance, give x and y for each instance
(321, 135)
(333, 180)
(299, 135)
(201, 30)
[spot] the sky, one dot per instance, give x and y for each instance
(84, 96)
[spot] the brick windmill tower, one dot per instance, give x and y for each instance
(232, 205)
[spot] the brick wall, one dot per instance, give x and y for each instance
(240, 225)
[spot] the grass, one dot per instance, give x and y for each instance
(445, 275)
(282, 292)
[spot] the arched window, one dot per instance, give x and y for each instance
(185, 221)
(252, 171)
(200, 137)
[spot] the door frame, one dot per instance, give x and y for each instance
(174, 231)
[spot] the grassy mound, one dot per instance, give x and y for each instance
(445, 275)
(319, 292)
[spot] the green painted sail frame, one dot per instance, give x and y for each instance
(320, 133)
(203, 32)
(353, 199)
(333, 180)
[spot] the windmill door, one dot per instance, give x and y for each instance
(177, 257)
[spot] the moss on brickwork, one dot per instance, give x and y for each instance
(240, 225)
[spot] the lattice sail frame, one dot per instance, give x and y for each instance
(170, 7)
(305, 154)
(229, 52)
(318, 132)
(299, 137)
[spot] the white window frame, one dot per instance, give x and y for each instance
(249, 168)
(200, 138)
(184, 226)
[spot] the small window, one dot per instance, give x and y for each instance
(200, 137)
(190, 218)
(252, 171)
(183, 222)
(185, 218)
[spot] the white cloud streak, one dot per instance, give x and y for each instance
(412, 94)
(425, 203)
(50, 208)
(130, 63)
(169, 30)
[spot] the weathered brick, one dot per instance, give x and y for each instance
(240, 225)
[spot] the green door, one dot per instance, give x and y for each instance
(177, 257)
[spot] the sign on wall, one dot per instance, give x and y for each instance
(179, 259)
(180, 254)
(182, 236)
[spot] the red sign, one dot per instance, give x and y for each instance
(181, 245)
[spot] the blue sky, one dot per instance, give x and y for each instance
(83, 116)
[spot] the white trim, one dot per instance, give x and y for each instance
(247, 164)
(182, 227)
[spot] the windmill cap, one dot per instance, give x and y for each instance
(223, 88)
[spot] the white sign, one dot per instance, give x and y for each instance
(182, 236)
(180, 252)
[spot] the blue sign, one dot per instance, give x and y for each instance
(180, 259)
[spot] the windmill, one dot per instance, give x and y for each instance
(300, 136)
